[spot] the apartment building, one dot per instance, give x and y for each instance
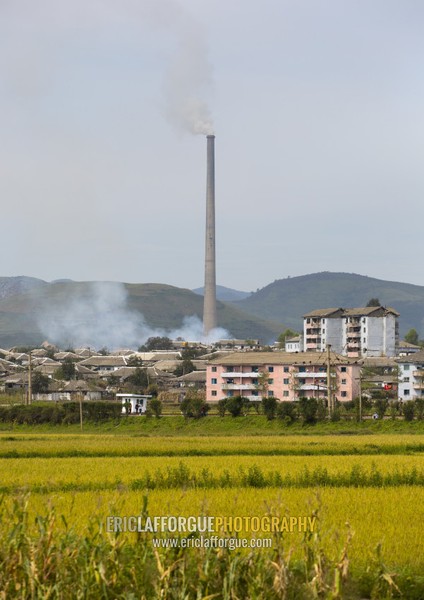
(355, 332)
(284, 375)
(411, 376)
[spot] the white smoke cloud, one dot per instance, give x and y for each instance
(98, 316)
(188, 83)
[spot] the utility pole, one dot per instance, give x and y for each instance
(29, 401)
(80, 408)
(329, 397)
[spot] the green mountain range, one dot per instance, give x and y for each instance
(286, 300)
(32, 310)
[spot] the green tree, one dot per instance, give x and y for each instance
(286, 334)
(408, 409)
(194, 405)
(222, 407)
(155, 406)
(381, 405)
(412, 337)
(39, 383)
(134, 361)
(373, 302)
(235, 405)
(156, 343)
(185, 366)
(287, 411)
(308, 408)
(66, 371)
(269, 407)
(139, 378)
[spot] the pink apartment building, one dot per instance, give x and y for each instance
(284, 375)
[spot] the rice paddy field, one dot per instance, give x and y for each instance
(364, 492)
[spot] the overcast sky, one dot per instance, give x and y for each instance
(317, 107)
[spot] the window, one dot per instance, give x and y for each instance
(365, 330)
(344, 394)
(344, 381)
(270, 381)
(343, 369)
(302, 369)
(406, 380)
(255, 393)
(286, 369)
(230, 369)
(302, 381)
(271, 369)
(285, 393)
(255, 369)
(365, 340)
(255, 381)
(406, 392)
(406, 367)
(213, 369)
(286, 381)
(230, 394)
(214, 381)
(270, 394)
(214, 392)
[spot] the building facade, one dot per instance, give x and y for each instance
(283, 375)
(411, 376)
(355, 332)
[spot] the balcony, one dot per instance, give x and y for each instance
(418, 386)
(234, 374)
(353, 329)
(418, 373)
(239, 386)
(308, 374)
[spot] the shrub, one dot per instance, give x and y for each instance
(269, 407)
(222, 407)
(155, 406)
(235, 405)
(419, 408)
(408, 409)
(308, 408)
(287, 411)
(194, 407)
(380, 406)
(335, 415)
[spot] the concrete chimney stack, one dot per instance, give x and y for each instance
(209, 306)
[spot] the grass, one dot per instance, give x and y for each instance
(250, 425)
(59, 485)
(51, 558)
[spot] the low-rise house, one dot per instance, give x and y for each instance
(294, 344)
(196, 379)
(104, 363)
(74, 390)
(284, 375)
(405, 348)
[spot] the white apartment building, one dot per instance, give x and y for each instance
(367, 331)
(411, 376)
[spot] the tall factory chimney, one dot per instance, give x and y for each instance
(209, 306)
